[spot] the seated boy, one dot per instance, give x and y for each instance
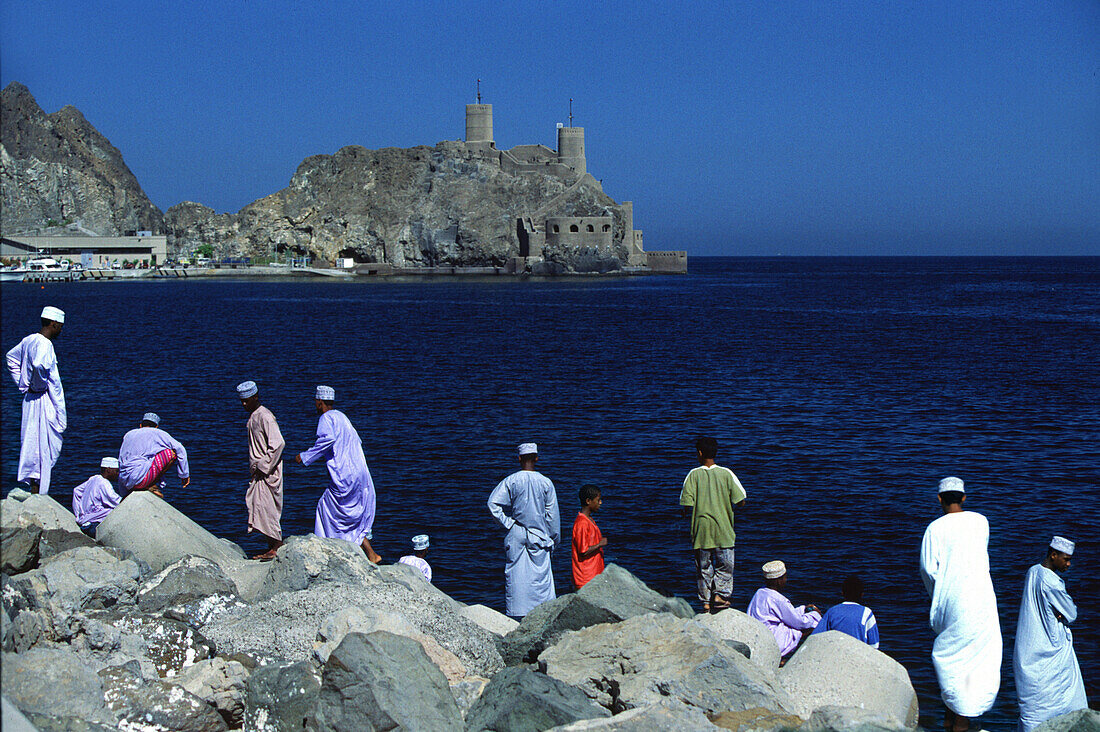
(416, 559)
(95, 498)
(789, 624)
(850, 616)
(588, 541)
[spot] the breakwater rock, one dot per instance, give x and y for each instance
(182, 633)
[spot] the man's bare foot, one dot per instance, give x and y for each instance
(374, 558)
(156, 492)
(266, 556)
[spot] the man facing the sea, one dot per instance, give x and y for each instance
(526, 505)
(265, 467)
(346, 510)
(146, 454)
(33, 368)
(954, 564)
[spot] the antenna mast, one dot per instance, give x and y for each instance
(570, 111)
(479, 91)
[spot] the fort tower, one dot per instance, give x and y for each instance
(479, 123)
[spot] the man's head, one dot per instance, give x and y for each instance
(420, 544)
(591, 497)
(324, 398)
(951, 493)
(52, 321)
(528, 455)
(108, 468)
(150, 419)
(1059, 554)
(249, 395)
(706, 448)
(852, 588)
(775, 575)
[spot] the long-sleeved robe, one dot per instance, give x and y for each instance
(265, 459)
(954, 562)
(346, 510)
(1048, 677)
(94, 499)
(526, 504)
(139, 447)
(784, 620)
(33, 368)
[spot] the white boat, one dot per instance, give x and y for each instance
(42, 265)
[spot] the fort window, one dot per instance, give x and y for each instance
(607, 227)
(573, 228)
(556, 228)
(590, 227)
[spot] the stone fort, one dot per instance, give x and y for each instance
(537, 229)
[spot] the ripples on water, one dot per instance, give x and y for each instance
(840, 390)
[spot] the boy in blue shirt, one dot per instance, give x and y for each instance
(850, 616)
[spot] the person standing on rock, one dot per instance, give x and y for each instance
(789, 624)
(33, 368)
(265, 465)
(1048, 677)
(95, 498)
(145, 456)
(346, 510)
(709, 496)
(954, 564)
(526, 505)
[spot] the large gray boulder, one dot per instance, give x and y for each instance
(624, 595)
(19, 547)
(53, 681)
(161, 535)
(647, 658)
(544, 625)
(189, 579)
(157, 705)
(382, 681)
(220, 683)
(1083, 720)
(304, 561)
(520, 700)
(835, 669)
(280, 697)
(665, 715)
(495, 622)
(171, 646)
(734, 625)
(40, 510)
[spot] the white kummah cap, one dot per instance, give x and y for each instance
(55, 314)
(1062, 544)
(528, 448)
(151, 417)
(951, 483)
(326, 393)
(774, 570)
(108, 462)
(420, 542)
(247, 389)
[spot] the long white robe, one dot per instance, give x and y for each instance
(526, 504)
(346, 509)
(954, 563)
(1048, 677)
(33, 368)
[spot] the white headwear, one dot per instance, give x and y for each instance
(326, 393)
(1062, 544)
(151, 417)
(108, 462)
(246, 389)
(420, 542)
(951, 483)
(774, 570)
(55, 314)
(528, 448)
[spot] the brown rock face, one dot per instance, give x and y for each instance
(58, 168)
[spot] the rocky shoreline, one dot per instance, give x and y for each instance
(159, 625)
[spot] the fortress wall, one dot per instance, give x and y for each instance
(559, 231)
(674, 262)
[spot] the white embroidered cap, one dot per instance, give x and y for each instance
(528, 448)
(420, 542)
(247, 389)
(774, 570)
(951, 483)
(108, 462)
(326, 393)
(55, 314)
(1062, 544)
(151, 417)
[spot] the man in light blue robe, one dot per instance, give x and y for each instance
(1048, 677)
(346, 510)
(526, 505)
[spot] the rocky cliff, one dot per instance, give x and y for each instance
(58, 169)
(424, 206)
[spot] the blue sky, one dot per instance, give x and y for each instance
(752, 128)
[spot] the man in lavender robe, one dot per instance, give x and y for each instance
(146, 454)
(265, 463)
(33, 368)
(95, 498)
(346, 510)
(789, 624)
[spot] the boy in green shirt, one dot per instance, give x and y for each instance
(711, 492)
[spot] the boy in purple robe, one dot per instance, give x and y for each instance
(146, 454)
(346, 510)
(95, 498)
(789, 624)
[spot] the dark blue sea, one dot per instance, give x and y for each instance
(840, 391)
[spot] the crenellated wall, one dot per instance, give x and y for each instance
(583, 231)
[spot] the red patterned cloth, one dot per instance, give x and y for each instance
(163, 459)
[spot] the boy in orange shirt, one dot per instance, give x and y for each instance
(588, 541)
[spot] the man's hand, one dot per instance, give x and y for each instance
(812, 607)
(184, 482)
(298, 458)
(602, 544)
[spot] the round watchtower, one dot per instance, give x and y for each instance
(479, 123)
(571, 148)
